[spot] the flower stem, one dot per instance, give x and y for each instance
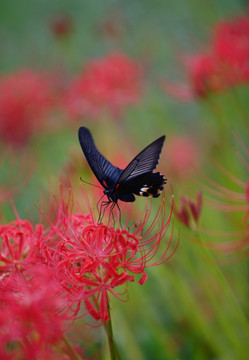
(71, 350)
(112, 345)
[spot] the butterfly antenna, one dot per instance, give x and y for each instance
(86, 182)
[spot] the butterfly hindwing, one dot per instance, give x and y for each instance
(105, 172)
(149, 184)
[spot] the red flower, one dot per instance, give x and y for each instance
(226, 64)
(203, 72)
(204, 75)
(231, 47)
(189, 211)
(18, 241)
(90, 260)
(25, 98)
(31, 316)
(110, 83)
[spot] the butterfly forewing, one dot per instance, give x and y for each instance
(145, 162)
(105, 172)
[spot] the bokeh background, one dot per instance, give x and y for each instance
(132, 71)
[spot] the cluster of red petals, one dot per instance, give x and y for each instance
(189, 210)
(17, 247)
(91, 260)
(223, 65)
(106, 84)
(31, 317)
(25, 99)
(231, 46)
(204, 74)
(88, 261)
(227, 63)
(17, 242)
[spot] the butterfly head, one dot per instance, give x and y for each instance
(111, 195)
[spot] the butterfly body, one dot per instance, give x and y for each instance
(137, 178)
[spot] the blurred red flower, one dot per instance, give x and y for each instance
(25, 99)
(31, 316)
(231, 47)
(224, 65)
(204, 74)
(62, 26)
(107, 84)
(189, 212)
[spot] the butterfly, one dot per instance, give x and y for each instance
(137, 178)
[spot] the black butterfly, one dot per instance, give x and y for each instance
(137, 178)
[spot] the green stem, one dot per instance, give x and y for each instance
(112, 345)
(108, 328)
(71, 350)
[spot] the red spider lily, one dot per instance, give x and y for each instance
(223, 66)
(189, 211)
(110, 83)
(231, 47)
(230, 201)
(17, 247)
(91, 260)
(204, 75)
(204, 78)
(25, 99)
(31, 316)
